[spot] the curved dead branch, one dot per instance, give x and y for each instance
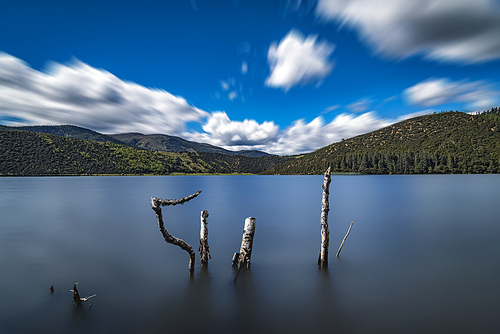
(156, 204)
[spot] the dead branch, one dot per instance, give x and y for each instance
(156, 204)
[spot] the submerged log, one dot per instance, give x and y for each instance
(156, 204)
(242, 259)
(203, 247)
(342, 244)
(325, 233)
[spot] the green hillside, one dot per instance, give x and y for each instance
(24, 153)
(166, 143)
(447, 142)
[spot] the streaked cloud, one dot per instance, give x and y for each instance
(445, 30)
(330, 108)
(359, 105)
(438, 91)
(298, 60)
(81, 95)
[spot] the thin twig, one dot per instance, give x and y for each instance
(342, 244)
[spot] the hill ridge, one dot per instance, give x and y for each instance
(446, 142)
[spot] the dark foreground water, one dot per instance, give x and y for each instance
(422, 257)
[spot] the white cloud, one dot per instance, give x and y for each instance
(303, 137)
(447, 30)
(222, 131)
(232, 95)
(298, 60)
(81, 95)
(434, 92)
(244, 67)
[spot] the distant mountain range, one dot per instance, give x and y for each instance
(156, 142)
(165, 143)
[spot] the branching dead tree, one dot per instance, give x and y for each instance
(342, 244)
(156, 204)
(242, 259)
(325, 233)
(203, 246)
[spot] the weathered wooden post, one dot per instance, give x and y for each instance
(243, 257)
(342, 244)
(156, 204)
(325, 233)
(203, 247)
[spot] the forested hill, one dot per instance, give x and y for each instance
(24, 153)
(447, 142)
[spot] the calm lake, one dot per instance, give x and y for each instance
(422, 256)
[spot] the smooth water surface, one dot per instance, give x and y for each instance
(422, 256)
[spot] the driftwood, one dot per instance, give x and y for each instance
(242, 259)
(156, 204)
(203, 246)
(342, 244)
(325, 233)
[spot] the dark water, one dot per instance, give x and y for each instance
(422, 257)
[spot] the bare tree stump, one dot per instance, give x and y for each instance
(156, 204)
(76, 296)
(325, 233)
(342, 244)
(203, 247)
(242, 259)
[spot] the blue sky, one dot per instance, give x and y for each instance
(284, 77)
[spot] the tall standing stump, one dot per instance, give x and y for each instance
(325, 233)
